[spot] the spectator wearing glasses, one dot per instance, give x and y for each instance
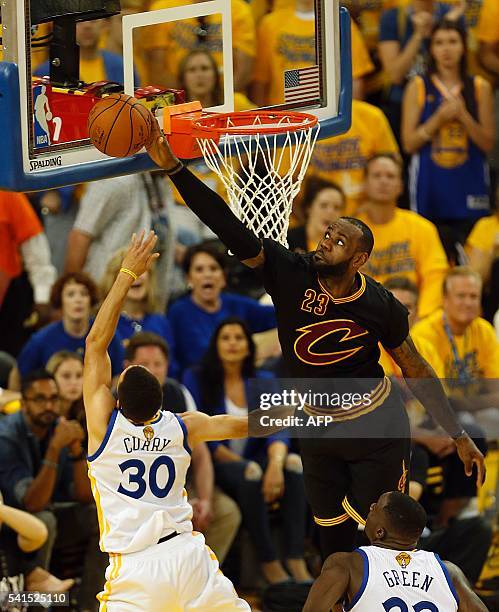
(43, 470)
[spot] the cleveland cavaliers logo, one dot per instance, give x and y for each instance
(403, 560)
(345, 330)
(148, 432)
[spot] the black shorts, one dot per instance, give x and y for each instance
(347, 467)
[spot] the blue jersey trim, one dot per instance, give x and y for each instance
(365, 578)
(448, 578)
(109, 430)
(184, 429)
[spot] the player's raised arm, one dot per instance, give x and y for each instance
(331, 586)
(97, 396)
(203, 428)
(427, 388)
(206, 204)
(468, 600)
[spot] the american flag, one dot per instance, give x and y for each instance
(302, 84)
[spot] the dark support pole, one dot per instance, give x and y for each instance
(64, 53)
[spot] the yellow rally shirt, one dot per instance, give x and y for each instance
(484, 234)
(477, 347)
(342, 159)
(288, 42)
(425, 349)
(180, 37)
(409, 246)
(488, 23)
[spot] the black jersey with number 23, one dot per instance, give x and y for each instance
(324, 337)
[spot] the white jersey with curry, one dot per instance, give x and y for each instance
(138, 478)
(400, 581)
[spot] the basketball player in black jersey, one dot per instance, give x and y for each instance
(330, 319)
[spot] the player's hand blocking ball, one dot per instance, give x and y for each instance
(119, 125)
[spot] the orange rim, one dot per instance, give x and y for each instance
(243, 123)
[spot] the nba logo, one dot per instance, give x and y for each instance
(41, 117)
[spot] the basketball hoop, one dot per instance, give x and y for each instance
(261, 157)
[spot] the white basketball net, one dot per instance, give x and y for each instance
(261, 178)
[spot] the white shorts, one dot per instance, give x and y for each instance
(179, 575)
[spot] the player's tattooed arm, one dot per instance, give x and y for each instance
(468, 600)
(331, 586)
(427, 388)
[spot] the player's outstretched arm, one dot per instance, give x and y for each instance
(331, 586)
(427, 388)
(97, 396)
(468, 600)
(204, 428)
(206, 204)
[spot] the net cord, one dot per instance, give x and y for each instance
(261, 178)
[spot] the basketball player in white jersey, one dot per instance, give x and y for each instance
(138, 460)
(391, 575)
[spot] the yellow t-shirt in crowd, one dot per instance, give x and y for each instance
(409, 246)
(488, 23)
(139, 61)
(361, 61)
(484, 234)
(415, 409)
(425, 349)
(92, 70)
(38, 54)
(288, 41)
(242, 103)
(178, 38)
(477, 348)
(369, 13)
(342, 159)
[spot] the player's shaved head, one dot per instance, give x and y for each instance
(366, 243)
(395, 518)
(345, 247)
(406, 516)
(139, 393)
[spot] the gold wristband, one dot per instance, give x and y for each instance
(129, 272)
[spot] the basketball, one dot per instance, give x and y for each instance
(119, 125)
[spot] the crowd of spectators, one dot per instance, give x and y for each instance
(419, 165)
